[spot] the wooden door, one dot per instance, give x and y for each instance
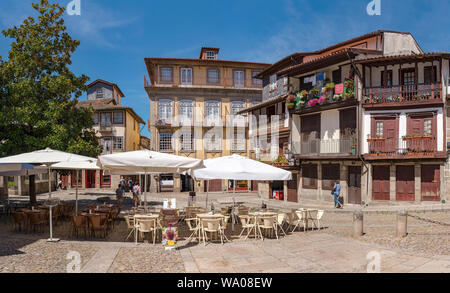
(254, 185)
(292, 185)
(215, 185)
(405, 183)
(90, 179)
(431, 182)
(387, 129)
(381, 183)
(354, 185)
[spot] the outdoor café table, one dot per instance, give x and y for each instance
(138, 217)
(257, 215)
(307, 215)
(207, 216)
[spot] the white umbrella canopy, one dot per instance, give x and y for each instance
(21, 170)
(236, 167)
(46, 157)
(147, 161)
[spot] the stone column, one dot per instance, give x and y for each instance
(97, 179)
(393, 183)
(153, 183)
(83, 178)
(418, 183)
(402, 224)
(319, 181)
(358, 224)
(22, 187)
(285, 189)
(369, 188)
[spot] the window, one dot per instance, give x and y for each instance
(166, 74)
(336, 75)
(213, 141)
(210, 55)
(165, 110)
(379, 129)
(409, 77)
(256, 81)
(165, 141)
(118, 118)
(388, 81)
(95, 118)
(429, 75)
(118, 143)
(213, 75)
(186, 141)
(285, 81)
(309, 174)
(330, 174)
(239, 78)
(106, 144)
(273, 82)
(105, 120)
(186, 76)
(237, 106)
(427, 127)
(99, 93)
(212, 109)
(186, 110)
(105, 180)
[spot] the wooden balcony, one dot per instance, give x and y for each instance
(417, 147)
(402, 95)
(326, 148)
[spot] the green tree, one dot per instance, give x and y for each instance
(39, 93)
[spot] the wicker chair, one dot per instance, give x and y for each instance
(79, 223)
(37, 220)
(98, 223)
(20, 220)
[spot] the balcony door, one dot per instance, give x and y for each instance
(422, 129)
(385, 129)
(347, 126)
(310, 134)
(408, 79)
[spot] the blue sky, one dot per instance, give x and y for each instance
(116, 35)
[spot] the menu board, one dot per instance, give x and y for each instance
(170, 203)
(339, 88)
(169, 223)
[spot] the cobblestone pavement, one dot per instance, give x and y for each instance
(332, 249)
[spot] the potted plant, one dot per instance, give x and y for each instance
(314, 91)
(290, 101)
(417, 136)
(322, 100)
(407, 137)
(313, 102)
(426, 136)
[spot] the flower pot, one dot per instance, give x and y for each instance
(290, 105)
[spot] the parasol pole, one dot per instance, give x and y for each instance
(207, 192)
(145, 189)
(76, 193)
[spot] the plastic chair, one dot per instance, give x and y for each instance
(301, 218)
(147, 226)
(269, 224)
(213, 227)
(130, 225)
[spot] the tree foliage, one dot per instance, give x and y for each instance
(39, 93)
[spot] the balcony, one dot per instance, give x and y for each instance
(106, 128)
(163, 123)
(326, 148)
(409, 147)
(402, 95)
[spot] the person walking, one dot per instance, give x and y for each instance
(136, 192)
(130, 186)
(122, 184)
(119, 194)
(336, 192)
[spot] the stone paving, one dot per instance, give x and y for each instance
(332, 249)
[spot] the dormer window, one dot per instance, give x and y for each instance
(99, 93)
(211, 55)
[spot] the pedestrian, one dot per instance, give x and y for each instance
(122, 184)
(130, 186)
(136, 192)
(336, 192)
(60, 183)
(119, 194)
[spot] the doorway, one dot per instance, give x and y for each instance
(90, 178)
(405, 183)
(354, 185)
(381, 183)
(431, 183)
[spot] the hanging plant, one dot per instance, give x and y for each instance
(322, 99)
(313, 102)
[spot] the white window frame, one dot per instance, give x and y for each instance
(186, 141)
(273, 82)
(118, 143)
(239, 78)
(186, 110)
(211, 145)
(256, 81)
(211, 70)
(165, 110)
(186, 76)
(99, 94)
(162, 75)
(166, 142)
(211, 55)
